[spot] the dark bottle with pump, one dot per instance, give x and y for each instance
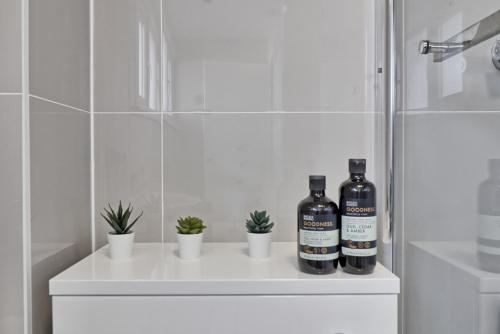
(318, 230)
(358, 220)
(488, 231)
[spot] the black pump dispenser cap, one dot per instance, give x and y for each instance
(317, 182)
(357, 166)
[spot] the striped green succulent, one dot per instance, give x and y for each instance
(118, 220)
(259, 222)
(190, 225)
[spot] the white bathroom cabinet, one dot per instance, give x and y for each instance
(224, 292)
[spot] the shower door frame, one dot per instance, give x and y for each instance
(390, 108)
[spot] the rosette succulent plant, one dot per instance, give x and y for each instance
(190, 225)
(259, 222)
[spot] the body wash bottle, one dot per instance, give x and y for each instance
(318, 230)
(358, 220)
(488, 232)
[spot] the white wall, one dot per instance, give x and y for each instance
(45, 137)
(255, 96)
(11, 223)
(59, 133)
(212, 108)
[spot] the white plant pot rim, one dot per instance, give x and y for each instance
(119, 234)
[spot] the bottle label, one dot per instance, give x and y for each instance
(488, 240)
(319, 237)
(359, 227)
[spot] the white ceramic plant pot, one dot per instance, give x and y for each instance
(189, 245)
(259, 245)
(120, 245)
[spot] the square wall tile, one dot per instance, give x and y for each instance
(222, 166)
(10, 40)
(60, 173)
(127, 55)
(60, 198)
(11, 224)
(128, 168)
(266, 55)
(59, 51)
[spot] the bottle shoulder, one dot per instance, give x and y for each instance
(349, 186)
(317, 204)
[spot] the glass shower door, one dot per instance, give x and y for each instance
(447, 201)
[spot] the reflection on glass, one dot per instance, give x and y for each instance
(153, 74)
(141, 60)
(261, 55)
(452, 69)
(488, 238)
(447, 293)
(452, 285)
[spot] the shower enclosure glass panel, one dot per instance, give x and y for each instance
(447, 181)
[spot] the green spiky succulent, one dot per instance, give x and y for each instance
(118, 220)
(190, 225)
(259, 222)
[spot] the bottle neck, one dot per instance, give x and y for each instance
(318, 193)
(357, 176)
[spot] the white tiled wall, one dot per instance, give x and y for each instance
(11, 238)
(11, 224)
(222, 166)
(10, 39)
(128, 168)
(60, 198)
(225, 107)
(127, 49)
(45, 179)
(255, 96)
(270, 55)
(59, 52)
(59, 133)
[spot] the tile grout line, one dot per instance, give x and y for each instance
(92, 129)
(446, 112)
(25, 165)
(12, 94)
(239, 112)
(162, 129)
(57, 103)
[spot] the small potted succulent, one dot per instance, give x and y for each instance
(259, 234)
(189, 237)
(121, 239)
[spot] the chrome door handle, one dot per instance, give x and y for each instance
(469, 37)
(427, 47)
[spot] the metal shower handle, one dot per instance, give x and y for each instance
(428, 47)
(468, 38)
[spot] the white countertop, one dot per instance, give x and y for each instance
(223, 269)
(460, 255)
